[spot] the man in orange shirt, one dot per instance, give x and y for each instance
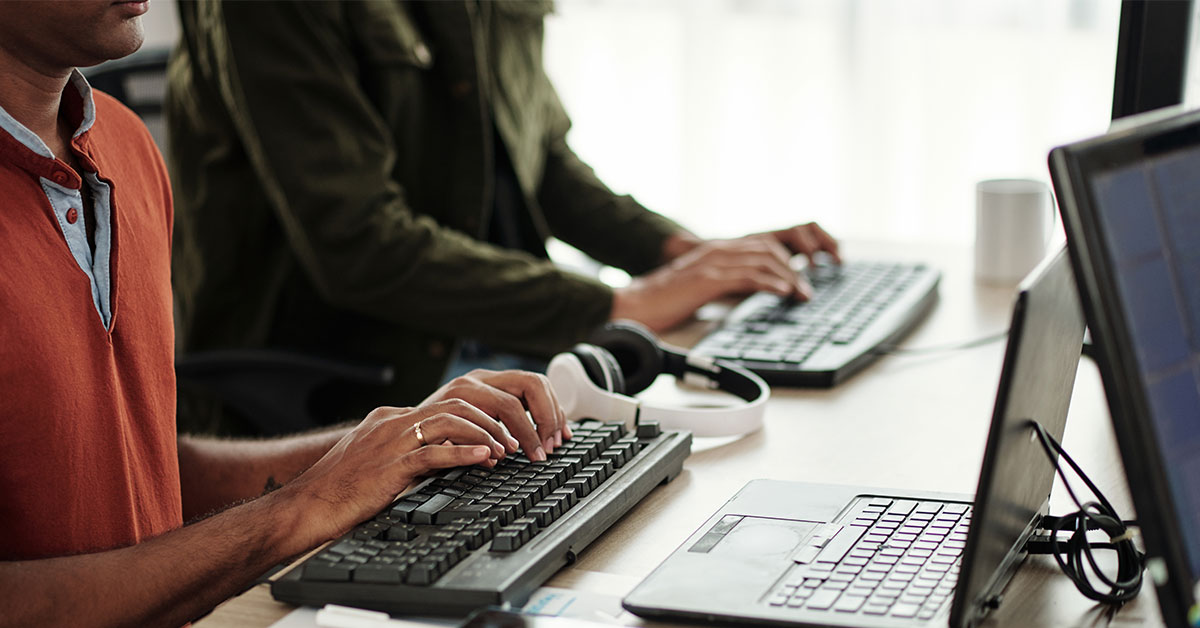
(94, 484)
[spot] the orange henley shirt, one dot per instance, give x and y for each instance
(87, 414)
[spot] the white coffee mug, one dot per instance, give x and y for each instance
(1013, 222)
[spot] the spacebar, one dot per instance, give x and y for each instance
(837, 547)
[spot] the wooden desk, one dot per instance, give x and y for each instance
(905, 422)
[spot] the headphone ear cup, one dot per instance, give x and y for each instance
(601, 367)
(635, 350)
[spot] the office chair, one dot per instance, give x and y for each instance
(272, 390)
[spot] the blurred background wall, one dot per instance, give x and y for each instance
(874, 117)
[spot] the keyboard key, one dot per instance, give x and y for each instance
(327, 572)
(905, 610)
(822, 599)
(422, 573)
(507, 540)
(849, 603)
(580, 486)
(379, 574)
(840, 544)
(425, 512)
(861, 588)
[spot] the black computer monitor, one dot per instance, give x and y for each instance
(1153, 45)
(1130, 204)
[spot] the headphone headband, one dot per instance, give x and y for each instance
(583, 396)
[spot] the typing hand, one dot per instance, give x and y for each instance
(507, 395)
(711, 270)
(381, 456)
(808, 239)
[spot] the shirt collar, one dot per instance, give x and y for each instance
(78, 105)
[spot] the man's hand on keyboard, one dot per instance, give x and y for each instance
(507, 395)
(808, 240)
(700, 271)
(391, 447)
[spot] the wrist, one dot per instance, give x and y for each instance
(679, 244)
(296, 520)
(623, 305)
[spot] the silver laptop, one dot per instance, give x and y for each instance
(811, 554)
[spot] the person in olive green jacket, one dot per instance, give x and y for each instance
(378, 179)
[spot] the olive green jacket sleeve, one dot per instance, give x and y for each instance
(324, 157)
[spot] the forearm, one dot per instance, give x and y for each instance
(166, 581)
(217, 472)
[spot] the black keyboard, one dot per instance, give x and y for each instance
(472, 537)
(893, 557)
(856, 309)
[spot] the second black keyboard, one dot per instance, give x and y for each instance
(472, 537)
(856, 310)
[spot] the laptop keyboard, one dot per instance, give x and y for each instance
(856, 308)
(890, 557)
(471, 537)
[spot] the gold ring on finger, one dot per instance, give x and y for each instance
(420, 436)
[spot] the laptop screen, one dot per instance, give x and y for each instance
(1131, 206)
(1150, 214)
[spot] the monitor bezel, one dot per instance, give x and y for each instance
(1137, 138)
(1153, 40)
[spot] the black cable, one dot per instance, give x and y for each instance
(954, 346)
(1093, 515)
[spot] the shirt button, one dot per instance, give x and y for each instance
(59, 177)
(461, 89)
(421, 52)
(72, 215)
(437, 349)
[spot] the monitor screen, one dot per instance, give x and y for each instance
(1151, 217)
(1154, 48)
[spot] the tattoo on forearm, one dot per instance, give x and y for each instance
(271, 485)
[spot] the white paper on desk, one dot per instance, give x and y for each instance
(549, 601)
(304, 617)
(576, 604)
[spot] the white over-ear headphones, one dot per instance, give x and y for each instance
(598, 380)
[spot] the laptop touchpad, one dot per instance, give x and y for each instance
(753, 536)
